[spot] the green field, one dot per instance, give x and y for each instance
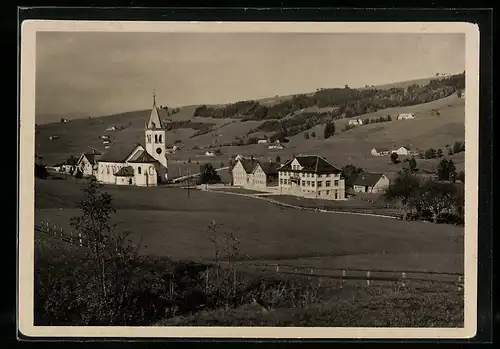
(174, 226)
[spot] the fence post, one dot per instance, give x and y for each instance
(80, 238)
(61, 232)
(403, 277)
(71, 236)
(460, 281)
(277, 268)
(47, 228)
(55, 230)
(367, 279)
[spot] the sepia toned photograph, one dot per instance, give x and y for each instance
(235, 179)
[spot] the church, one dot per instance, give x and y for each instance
(137, 164)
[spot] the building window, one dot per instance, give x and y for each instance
(107, 169)
(281, 180)
(319, 184)
(160, 139)
(151, 170)
(319, 193)
(328, 183)
(312, 183)
(303, 183)
(139, 170)
(336, 183)
(336, 194)
(156, 138)
(149, 138)
(308, 183)
(327, 192)
(327, 175)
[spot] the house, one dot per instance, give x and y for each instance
(262, 141)
(87, 163)
(406, 116)
(104, 137)
(209, 153)
(311, 176)
(355, 122)
(404, 150)
(53, 138)
(137, 164)
(254, 174)
(69, 165)
(370, 183)
(380, 151)
(112, 128)
(276, 145)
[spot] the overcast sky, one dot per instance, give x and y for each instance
(82, 74)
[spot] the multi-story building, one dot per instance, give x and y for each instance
(311, 176)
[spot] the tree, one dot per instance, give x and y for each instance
(413, 164)
(278, 159)
(209, 175)
(439, 153)
(461, 176)
(446, 171)
(329, 129)
(306, 135)
(437, 197)
(430, 153)
(350, 172)
(389, 118)
(450, 152)
(313, 134)
(457, 147)
(366, 121)
(394, 158)
(41, 171)
(404, 189)
(78, 174)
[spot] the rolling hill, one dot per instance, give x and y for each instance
(437, 124)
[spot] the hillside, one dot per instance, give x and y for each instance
(438, 123)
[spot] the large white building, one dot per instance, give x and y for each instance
(137, 164)
(254, 174)
(311, 176)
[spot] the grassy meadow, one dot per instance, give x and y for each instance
(172, 225)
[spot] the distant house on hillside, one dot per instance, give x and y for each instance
(64, 121)
(380, 151)
(250, 174)
(370, 183)
(406, 116)
(52, 138)
(355, 122)
(111, 128)
(311, 176)
(209, 153)
(276, 145)
(404, 150)
(262, 141)
(69, 165)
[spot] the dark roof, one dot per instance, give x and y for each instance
(369, 179)
(142, 156)
(312, 163)
(381, 149)
(118, 152)
(92, 157)
(126, 171)
(270, 168)
(71, 161)
(248, 164)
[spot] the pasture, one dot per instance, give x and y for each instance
(175, 226)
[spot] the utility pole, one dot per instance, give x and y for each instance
(188, 181)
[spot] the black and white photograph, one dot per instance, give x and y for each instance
(266, 180)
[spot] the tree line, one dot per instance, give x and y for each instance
(347, 102)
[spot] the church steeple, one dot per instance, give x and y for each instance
(154, 118)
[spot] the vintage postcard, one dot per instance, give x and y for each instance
(248, 180)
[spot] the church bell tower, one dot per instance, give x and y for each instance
(156, 136)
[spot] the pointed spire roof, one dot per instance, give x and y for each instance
(154, 118)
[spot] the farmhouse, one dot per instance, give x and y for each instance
(87, 163)
(404, 150)
(276, 146)
(355, 122)
(137, 164)
(370, 183)
(311, 176)
(406, 116)
(262, 141)
(254, 174)
(380, 151)
(111, 128)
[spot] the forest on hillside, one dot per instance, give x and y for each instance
(348, 102)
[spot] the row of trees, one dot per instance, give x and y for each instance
(437, 199)
(347, 102)
(432, 153)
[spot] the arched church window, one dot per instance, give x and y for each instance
(151, 170)
(156, 138)
(160, 140)
(139, 169)
(107, 170)
(149, 138)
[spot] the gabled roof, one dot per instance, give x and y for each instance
(269, 168)
(118, 152)
(369, 179)
(127, 171)
(248, 164)
(311, 163)
(91, 157)
(71, 161)
(154, 118)
(141, 156)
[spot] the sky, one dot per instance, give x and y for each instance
(81, 74)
